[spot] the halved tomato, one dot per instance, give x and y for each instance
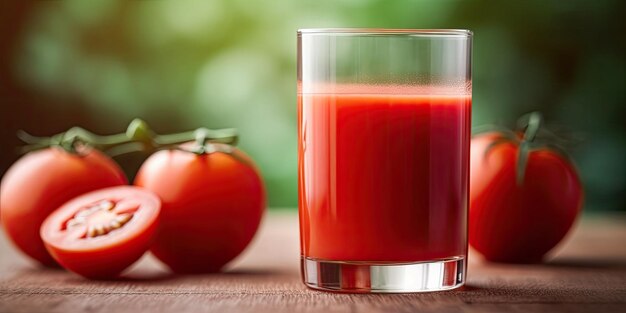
(101, 233)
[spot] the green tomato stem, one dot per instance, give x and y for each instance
(534, 123)
(530, 133)
(534, 136)
(138, 137)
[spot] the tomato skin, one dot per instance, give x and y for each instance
(212, 206)
(108, 255)
(43, 180)
(520, 224)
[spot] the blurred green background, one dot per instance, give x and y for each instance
(185, 64)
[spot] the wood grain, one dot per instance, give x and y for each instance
(586, 273)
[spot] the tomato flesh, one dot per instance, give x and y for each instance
(101, 233)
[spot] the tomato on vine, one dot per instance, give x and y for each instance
(525, 193)
(213, 200)
(43, 180)
(212, 196)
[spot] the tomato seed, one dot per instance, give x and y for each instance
(74, 222)
(123, 218)
(107, 205)
(115, 224)
(91, 231)
(99, 229)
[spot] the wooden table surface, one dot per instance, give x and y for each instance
(586, 273)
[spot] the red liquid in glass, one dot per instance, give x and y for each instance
(383, 176)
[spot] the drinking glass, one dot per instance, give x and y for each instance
(383, 157)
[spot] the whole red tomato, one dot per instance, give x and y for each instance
(43, 180)
(212, 204)
(518, 212)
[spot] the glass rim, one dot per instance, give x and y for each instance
(441, 32)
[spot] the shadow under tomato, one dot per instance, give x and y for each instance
(165, 276)
(613, 263)
(151, 278)
(39, 270)
(586, 263)
(141, 276)
(255, 272)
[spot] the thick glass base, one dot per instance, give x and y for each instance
(383, 277)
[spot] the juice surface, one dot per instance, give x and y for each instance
(383, 176)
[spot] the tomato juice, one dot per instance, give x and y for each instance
(383, 173)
